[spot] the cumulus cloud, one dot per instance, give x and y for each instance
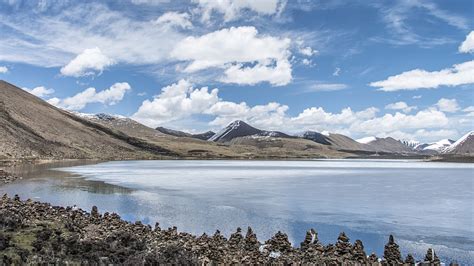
(175, 102)
(40, 91)
(307, 62)
(400, 106)
(308, 51)
(277, 75)
(467, 46)
(233, 49)
(231, 9)
(87, 63)
(177, 19)
(468, 109)
(459, 74)
(3, 69)
(388, 123)
(448, 105)
(110, 96)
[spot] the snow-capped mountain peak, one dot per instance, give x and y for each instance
(464, 144)
(439, 145)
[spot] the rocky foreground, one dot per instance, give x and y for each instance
(38, 233)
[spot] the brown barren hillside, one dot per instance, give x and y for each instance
(33, 129)
(30, 128)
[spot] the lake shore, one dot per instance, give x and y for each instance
(35, 232)
(439, 158)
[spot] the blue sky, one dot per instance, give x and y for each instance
(392, 68)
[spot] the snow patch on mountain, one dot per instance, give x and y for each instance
(460, 142)
(439, 146)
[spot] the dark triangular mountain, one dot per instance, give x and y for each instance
(235, 129)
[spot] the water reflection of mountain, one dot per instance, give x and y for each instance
(65, 180)
(90, 186)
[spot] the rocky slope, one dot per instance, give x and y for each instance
(40, 234)
(388, 145)
(337, 141)
(177, 133)
(463, 146)
(31, 128)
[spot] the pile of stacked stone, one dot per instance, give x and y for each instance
(38, 233)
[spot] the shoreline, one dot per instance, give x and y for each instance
(35, 232)
(451, 159)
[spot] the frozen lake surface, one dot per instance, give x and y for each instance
(423, 204)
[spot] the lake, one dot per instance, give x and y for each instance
(423, 204)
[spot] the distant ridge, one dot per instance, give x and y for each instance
(464, 145)
(177, 133)
(387, 144)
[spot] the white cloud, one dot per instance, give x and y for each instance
(54, 101)
(40, 91)
(109, 96)
(87, 63)
(175, 102)
(447, 105)
(307, 62)
(317, 117)
(467, 46)
(277, 75)
(459, 74)
(388, 123)
(400, 106)
(308, 51)
(231, 9)
(181, 20)
(3, 69)
(468, 109)
(326, 87)
(336, 72)
(232, 48)
(417, 97)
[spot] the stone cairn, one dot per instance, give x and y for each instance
(58, 235)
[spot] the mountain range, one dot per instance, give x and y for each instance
(32, 129)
